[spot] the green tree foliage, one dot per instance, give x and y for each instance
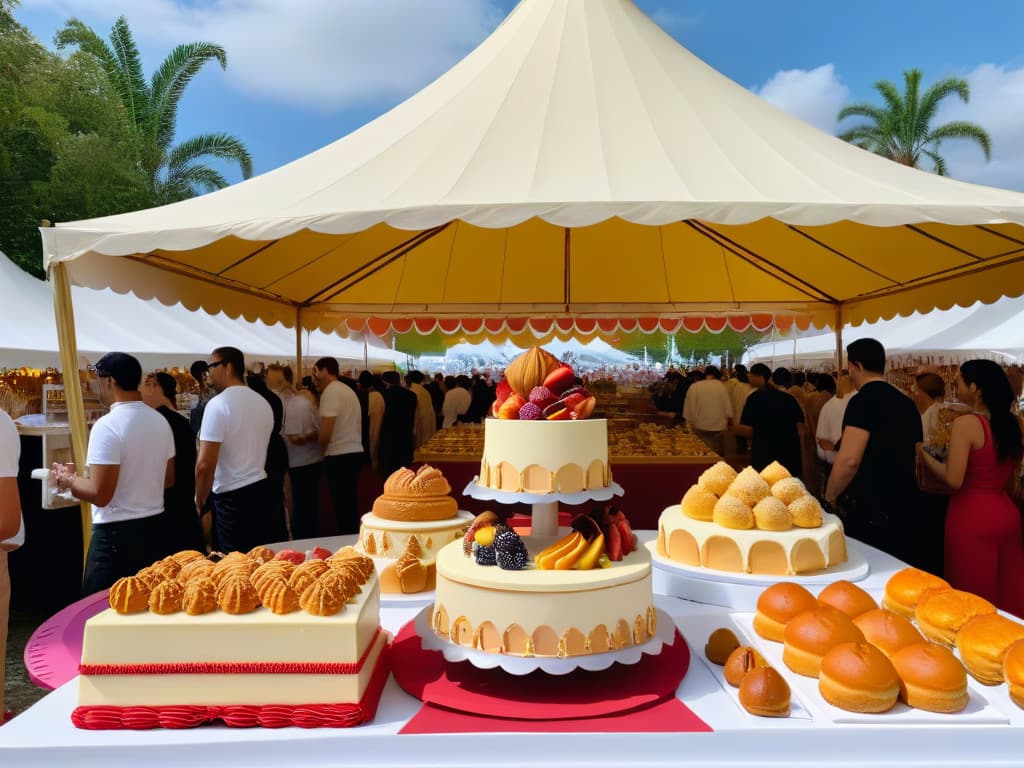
(175, 172)
(66, 151)
(902, 129)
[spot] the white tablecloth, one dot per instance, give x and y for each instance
(44, 735)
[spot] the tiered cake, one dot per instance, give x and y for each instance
(410, 523)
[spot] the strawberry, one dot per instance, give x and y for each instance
(614, 542)
(291, 556)
(510, 408)
(573, 401)
(560, 379)
(502, 391)
(584, 409)
(628, 545)
(319, 553)
(529, 412)
(542, 397)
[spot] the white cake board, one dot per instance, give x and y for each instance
(545, 505)
(740, 591)
(520, 665)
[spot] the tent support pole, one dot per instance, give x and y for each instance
(64, 312)
(839, 338)
(298, 345)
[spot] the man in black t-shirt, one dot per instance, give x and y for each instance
(874, 475)
(772, 419)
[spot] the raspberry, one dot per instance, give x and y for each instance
(508, 541)
(512, 561)
(529, 412)
(484, 555)
(542, 397)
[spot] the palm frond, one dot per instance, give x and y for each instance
(951, 86)
(961, 129)
(76, 33)
(891, 95)
(130, 67)
(937, 159)
(861, 109)
(223, 146)
(189, 180)
(169, 82)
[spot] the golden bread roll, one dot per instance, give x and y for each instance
(848, 598)
(740, 662)
(773, 473)
(720, 644)
(931, 678)
(717, 478)
(699, 504)
(858, 677)
(778, 605)
(748, 487)
(905, 587)
(940, 613)
(982, 643)
(1013, 672)
(789, 489)
(806, 511)
(731, 512)
(770, 514)
(887, 631)
(765, 693)
(129, 594)
(811, 635)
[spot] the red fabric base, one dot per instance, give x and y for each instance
(242, 716)
(538, 696)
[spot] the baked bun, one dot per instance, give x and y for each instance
(765, 693)
(982, 643)
(811, 635)
(887, 631)
(774, 472)
(717, 478)
(905, 587)
(1013, 672)
(748, 487)
(931, 678)
(858, 677)
(698, 503)
(740, 662)
(417, 496)
(941, 612)
(720, 644)
(770, 514)
(732, 512)
(848, 598)
(778, 605)
(789, 489)
(806, 512)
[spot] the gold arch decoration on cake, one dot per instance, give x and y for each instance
(534, 478)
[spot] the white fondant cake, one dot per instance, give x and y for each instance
(545, 456)
(708, 544)
(535, 612)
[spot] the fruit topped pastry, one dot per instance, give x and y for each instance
(538, 386)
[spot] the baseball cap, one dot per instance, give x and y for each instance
(124, 369)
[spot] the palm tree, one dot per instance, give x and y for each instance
(176, 171)
(902, 130)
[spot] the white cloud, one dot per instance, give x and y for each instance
(815, 96)
(326, 54)
(997, 105)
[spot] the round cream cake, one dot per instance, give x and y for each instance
(545, 456)
(710, 545)
(533, 612)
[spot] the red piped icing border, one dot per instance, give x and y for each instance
(242, 715)
(234, 668)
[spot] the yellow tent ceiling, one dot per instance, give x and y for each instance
(579, 162)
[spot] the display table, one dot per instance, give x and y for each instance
(44, 736)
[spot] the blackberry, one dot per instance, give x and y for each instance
(508, 541)
(484, 555)
(512, 561)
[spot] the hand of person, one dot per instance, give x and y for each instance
(297, 439)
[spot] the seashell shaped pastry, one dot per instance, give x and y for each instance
(360, 565)
(306, 573)
(342, 581)
(426, 481)
(195, 569)
(200, 596)
(150, 576)
(129, 595)
(166, 598)
(186, 556)
(233, 568)
(274, 569)
(277, 597)
(236, 595)
(345, 553)
(322, 598)
(261, 553)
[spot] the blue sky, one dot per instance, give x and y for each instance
(303, 73)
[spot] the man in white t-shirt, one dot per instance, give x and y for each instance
(131, 462)
(11, 527)
(341, 436)
(708, 409)
(231, 468)
(456, 400)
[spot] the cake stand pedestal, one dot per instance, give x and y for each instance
(544, 506)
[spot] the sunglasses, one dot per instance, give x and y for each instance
(211, 366)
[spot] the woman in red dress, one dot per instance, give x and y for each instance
(983, 549)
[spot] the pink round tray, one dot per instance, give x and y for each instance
(54, 651)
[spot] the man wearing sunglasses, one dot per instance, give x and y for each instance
(131, 462)
(231, 467)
